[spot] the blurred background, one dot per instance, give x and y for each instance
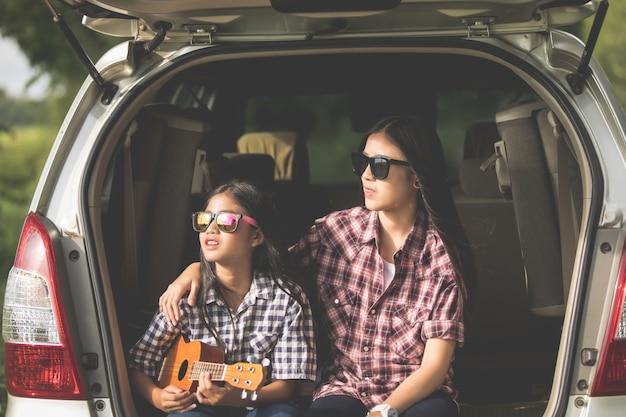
(39, 75)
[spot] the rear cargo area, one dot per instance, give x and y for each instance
(514, 179)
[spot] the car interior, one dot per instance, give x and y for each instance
(289, 122)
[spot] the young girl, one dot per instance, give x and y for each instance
(390, 280)
(249, 306)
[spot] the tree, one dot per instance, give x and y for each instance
(30, 24)
(22, 154)
(611, 46)
(20, 112)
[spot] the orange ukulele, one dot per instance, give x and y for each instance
(185, 362)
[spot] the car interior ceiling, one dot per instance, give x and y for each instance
(510, 350)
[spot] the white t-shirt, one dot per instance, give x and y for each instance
(389, 270)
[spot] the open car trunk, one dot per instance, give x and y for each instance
(514, 173)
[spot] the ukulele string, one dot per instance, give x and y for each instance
(197, 367)
(216, 370)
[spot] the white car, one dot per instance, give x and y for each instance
(535, 145)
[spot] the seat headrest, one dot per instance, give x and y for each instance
(289, 154)
(476, 182)
(253, 167)
(479, 146)
(479, 140)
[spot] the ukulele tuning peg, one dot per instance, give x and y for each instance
(252, 359)
(254, 396)
(265, 362)
(244, 394)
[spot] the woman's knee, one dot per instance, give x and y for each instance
(438, 404)
(336, 406)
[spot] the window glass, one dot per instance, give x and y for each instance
(457, 110)
(322, 121)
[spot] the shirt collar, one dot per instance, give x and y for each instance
(370, 230)
(262, 287)
(363, 231)
(414, 242)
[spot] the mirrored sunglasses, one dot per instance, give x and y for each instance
(225, 221)
(379, 165)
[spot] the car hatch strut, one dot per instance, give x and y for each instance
(108, 89)
(577, 78)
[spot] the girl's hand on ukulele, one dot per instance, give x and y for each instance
(176, 400)
(211, 394)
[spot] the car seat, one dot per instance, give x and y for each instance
(536, 168)
(289, 153)
(502, 330)
(159, 156)
(298, 201)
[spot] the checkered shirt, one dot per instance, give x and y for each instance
(377, 336)
(268, 324)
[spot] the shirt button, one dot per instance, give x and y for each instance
(366, 348)
(336, 301)
(363, 394)
(373, 311)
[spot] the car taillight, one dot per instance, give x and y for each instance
(611, 376)
(39, 356)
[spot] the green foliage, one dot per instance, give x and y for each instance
(30, 24)
(23, 151)
(609, 51)
(20, 112)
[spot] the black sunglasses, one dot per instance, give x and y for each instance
(225, 221)
(379, 165)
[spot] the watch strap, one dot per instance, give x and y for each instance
(386, 410)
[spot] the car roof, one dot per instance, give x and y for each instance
(270, 19)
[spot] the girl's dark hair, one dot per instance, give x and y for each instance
(422, 148)
(268, 258)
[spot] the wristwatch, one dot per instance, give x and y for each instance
(385, 409)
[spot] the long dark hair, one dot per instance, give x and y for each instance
(269, 258)
(422, 148)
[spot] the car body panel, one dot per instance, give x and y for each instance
(29, 407)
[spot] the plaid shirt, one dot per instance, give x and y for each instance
(267, 324)
(377, 336)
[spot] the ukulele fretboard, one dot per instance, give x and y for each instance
(217, 370)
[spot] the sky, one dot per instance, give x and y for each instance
(15, 72)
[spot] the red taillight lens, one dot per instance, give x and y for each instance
(41, 371)
(611, 376)
(39, 358)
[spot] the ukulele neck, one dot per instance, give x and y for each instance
(217, 370)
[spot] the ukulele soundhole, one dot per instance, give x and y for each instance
(183, 370)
